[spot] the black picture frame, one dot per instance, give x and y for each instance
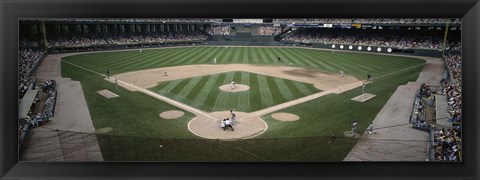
(10, 168)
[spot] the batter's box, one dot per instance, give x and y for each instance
(107, 94)
(364, 97)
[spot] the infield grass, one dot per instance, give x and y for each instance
(203, 92)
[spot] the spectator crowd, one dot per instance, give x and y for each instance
(129, 38)
(447, 143)
(268, 30)
(384, 38)
(446, 147)
(369, 20)
(219, 30)
(28, 60)
(127, 20)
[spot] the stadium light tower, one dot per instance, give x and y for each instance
(445, 37)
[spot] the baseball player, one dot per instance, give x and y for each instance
(233, 84)
(228, 123)
(354, 128)
(108, 73)
(369, 78)
(223, 124)
(234, 116)
(215, 61)
(165, 73)
(370, 128)
(363, 88)
(341, 73)
(116, 83)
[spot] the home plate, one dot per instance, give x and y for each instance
(107, 94)
(364, 97)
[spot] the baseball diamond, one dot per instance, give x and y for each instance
(290, 103)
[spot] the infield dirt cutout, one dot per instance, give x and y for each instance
(172, 114)
(282, 116)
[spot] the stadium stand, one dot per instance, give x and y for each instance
(130, 38)
(370, 20)
(384, 38)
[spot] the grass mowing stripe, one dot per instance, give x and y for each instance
(214, 95)
(149, 61)
(309, 61)
(180, 85)
(292, 59)
(244, 97)
(265, 93)
(255, 55)
(208, 59)
(271, 58)
(196, 90)
(122, 59)
(284, 60)
(275, 91)
(238, 53)
(302, 87)
(220, 54)
(247, 55)
(284, 90)
(158, 59)
(202, 57)
(254, 92)
(167, 60)
(167, 86)
(197, 58)
(225, 97)
(136, 61)
(186, 57)
(361, 64)
(209, 86)
(326, 63)
(294, 89)
(263, 58)
(104, 59)
(229, 56)
(193, 82)
(330, 62)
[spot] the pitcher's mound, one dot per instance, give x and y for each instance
(281, 116)
(103, 130)
(364, 97)
(245, 126)
(172, 114)
(237, 88)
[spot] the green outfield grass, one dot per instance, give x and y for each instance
(135, 115)
(203, 92)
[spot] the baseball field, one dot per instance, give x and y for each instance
(289, 102)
